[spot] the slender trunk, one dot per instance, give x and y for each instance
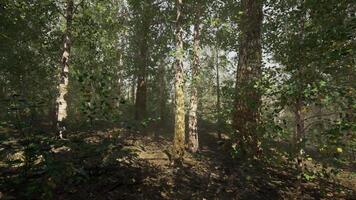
(3, 88)
(218, 103)
(133, 90)
(299, 121)
(120, 93)
(193, 119)
(162, 93)
(349, 135)
(299, 136)
(63, 85)
(179, 125)
(248, 97)
(2, 97)
(320, 125)
(299, 108)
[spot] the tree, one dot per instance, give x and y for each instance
(193, 119)
(64, 74)
(248, 97)
(143, 61)
(179, 122)
(218, 95)
(162, 93)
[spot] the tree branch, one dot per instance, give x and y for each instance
(320, 115)
(76, 6)
(314, 123)
(60, 12)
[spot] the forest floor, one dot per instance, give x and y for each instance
(121, 164)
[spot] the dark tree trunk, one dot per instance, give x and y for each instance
(141, 90)
(142, 62)
(248, 97)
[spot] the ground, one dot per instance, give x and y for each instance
(118, 163)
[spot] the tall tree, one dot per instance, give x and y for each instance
(179, 123)
(248, 97)
(64, 74)
(193, 119)
(142, 60)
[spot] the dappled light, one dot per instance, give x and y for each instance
(184, 99)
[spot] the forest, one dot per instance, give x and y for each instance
(177, 99)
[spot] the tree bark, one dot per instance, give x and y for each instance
(179, 125)
(64, 74)
(193, 119)
(248, 97)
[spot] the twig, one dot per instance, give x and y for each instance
(313, 123)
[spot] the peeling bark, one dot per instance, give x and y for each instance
(64, 74)
(179, 125)
(193, 119)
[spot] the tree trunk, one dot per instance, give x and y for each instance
(141, 90)
(179, 125)
(193, 120)
(248, 97)
(299, 143)
(63, 85)
(120, 83)
(133, 89)
(299, 121)
(162, 94)
(142, 59)
(299, 109)
(320, 125)
(218, 102)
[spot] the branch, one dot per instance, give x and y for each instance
(60, 12)
(76, 6)
(320, 115)
(313, 123)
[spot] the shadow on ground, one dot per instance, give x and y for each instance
(120, 164)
